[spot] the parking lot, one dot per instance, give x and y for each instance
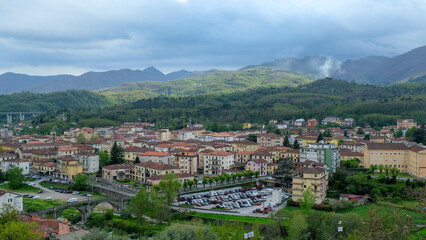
(235, 201)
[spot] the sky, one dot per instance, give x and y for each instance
(48, 37)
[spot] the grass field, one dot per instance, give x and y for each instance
(48, 184)
(234, 218)
(32, 205)
(24, 189)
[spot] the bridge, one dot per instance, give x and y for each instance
(84, 207)
(9, 115)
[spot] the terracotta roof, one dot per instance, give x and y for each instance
(416, 148)
(294, 151)
(66, 158)
(154, 153)
(67, 149)
(272, 135)
(348, 152)
(42, 160)
(244, 153)
(48, 164)
(387, 146)
(156, 166)
(272, 164)
(135, 149)
(259, 161)
(119, 166)
(312, 170)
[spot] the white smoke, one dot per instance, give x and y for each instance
(330, 67)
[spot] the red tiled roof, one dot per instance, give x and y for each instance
(156, 166)
(219, 153)
(119, 166)
(416, 148)
(154, 153)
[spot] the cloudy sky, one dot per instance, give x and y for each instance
(74, 36)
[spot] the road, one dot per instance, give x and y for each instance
(52, 193)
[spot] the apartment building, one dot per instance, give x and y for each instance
(7, 165)
(216, 161)
(67, 168)
(260, 165)
(89, 161)
(270, 140)
(417, 161)
(130, 153)
(187, 160)
(12, 199)
(405, 123)
(321, 153)
(117, 171)
(144, 170)
(314, 177)
(158, 157)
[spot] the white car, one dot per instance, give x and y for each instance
(36, 197)
(49, 198)
(72, 200)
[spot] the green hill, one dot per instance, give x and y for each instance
(374, 105)
(215, 82)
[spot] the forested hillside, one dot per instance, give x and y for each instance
(372, 105)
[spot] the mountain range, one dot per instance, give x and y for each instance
(375, 70)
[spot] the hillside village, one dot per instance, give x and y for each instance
(317, 149)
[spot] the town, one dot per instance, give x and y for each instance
(280, 162)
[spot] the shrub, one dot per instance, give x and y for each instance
(396, 200)
(109, 214)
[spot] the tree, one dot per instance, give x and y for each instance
(239, 175)
(81, 139)
(103, 159)
(142, 204)
(252, 138)
(185, 184)
(222, 178)
(190, 183)
(229, 230)
(11, 226)
(367, 137)
(81, 182)
(228, 177)
(137, 160)
(180, 231)
(297, 226)
(286, 142)
(419, 134)
(387, 169)
(234, 176)
(256, 174)
(16, 178)
(327, 133)
(117, 154)
(320, 137)
(394, 171)
(308, 200)
(373, 168)
(169, 187)
(211, 180)
(205, 181)
(283, 174)
(97, 234)
(296, 144)
(399, 133)
(360, 131)
(381, 167)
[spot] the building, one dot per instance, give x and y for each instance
(187, 160)
(321, 153)
(270, 140)
(117, 171)
(7, 165)
(48, 227)
(291, 154)
(158, 157)
(347, 154)
(67, 151)
(12, 199)
(330, 119)
(312, 122)
(89, 161)
(163, 135)
(353, 146)
(155, 180)
(257, 165)
(271, 168)
(386, 154)
(242, 157)
(405, 123)
(144, 170)
(130, 153)
(241, 146)
(67, 168)
(216, 161)
(315, 178)
(417, 161)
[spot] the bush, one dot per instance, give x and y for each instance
(396, 200)
(322, 207)
(109, 214)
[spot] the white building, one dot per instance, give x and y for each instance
(6, 165)
(321, 153)
(12, 199)
(89, 161)
(216, 161)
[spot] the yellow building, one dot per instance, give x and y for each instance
(304, 141)
(292, 154)
(247, 125)
(314, 177)
(244, 146)
(347, 154)
(67, 168)
(144, 170)
(271, 168)
(130, 153)
(417, 161)
(386, 154)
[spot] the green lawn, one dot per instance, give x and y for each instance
(24, 189)
(213, 216)
(48, 184)
(32, 205)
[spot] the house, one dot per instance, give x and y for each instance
(299, 123)
(329, 119)
(270, 140)
(263, 154)
(12, 199)
(144, 170)
(155, 180)
(347, 154)
(242, 157)
(353, 146)
(292, 154)
(50, 226)
(216, 161)
(356, 199)
(67, 168)
(240, 146)
(86, 132)
(312, 177)
(257, 165)
(312, 122)
(163, 135)
(117, 171)
(67, 151)
(7, 165)
(271, 168)
(158, 157)
(130, 153)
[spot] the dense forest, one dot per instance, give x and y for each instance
(368, 104)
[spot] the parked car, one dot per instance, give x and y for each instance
(36, 197)
(75, 193)
(40, 191)
(49, 198)
(72, 200)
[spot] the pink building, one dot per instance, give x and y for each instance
(117, 171)
(260, 165)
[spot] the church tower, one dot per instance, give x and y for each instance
(53, 135)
